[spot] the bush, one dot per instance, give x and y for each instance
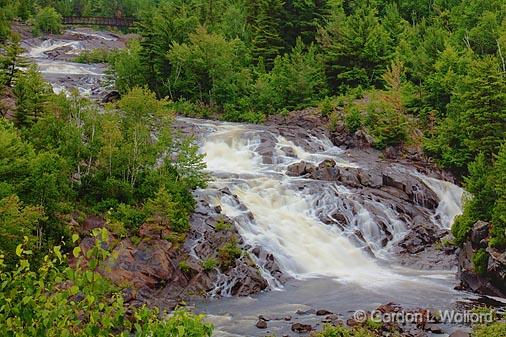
(353, 119)
(228, 253)
(497, 329)
(184, 266)
(47, 20)
(209, 264)
(342, 331)
(130, 216)
(93, 56)
(480, 261)
(222, 226)
(385, 124)
(56, 300)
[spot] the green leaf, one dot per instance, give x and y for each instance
(76, 251)
(74, 290)
(19, 250)
(75, 237)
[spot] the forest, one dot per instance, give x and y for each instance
(428, 74)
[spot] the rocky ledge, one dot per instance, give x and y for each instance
(163, 268)
(400, 191)
(490, 277)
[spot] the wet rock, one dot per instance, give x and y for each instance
(332, 319)
(111, 97)
(479, 233)
(459, 333)
(301, 328)
(323, 312)
(154, 231)
(493, 282)
(389, 308)
(289, 152)
(246, 281)
(300, 169)
(362, 140)
(433, 328)
(261, 324)
(305, 312)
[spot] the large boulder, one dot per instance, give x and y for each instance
(300, 169)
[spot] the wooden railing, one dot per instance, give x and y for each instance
(98, 21)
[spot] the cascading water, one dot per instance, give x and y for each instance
(53, 58)
(318, 231)
(287, 211)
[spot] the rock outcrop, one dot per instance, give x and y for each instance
(163, 268)
(491, 281)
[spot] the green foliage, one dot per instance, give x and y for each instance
(57, 300)
(222, 226)
(296, 81)
(475, 114)
(17, 222)
(130, 216)
(266, 30)
(208, 68)
(31, 93)
(479, 207)
(228, 253)
(357, 48)
(209, 264)
(385, 124)
(480, 261)
(94, 56)
(497, 329)
(342, 331)
(184, 266)
(47, 20)
(127, 68)
(353, 118)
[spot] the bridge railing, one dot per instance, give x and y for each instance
(98, 20)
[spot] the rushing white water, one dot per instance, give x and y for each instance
(287, 219)
(450, 197)
(63, 74)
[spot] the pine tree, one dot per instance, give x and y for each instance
(266, 30)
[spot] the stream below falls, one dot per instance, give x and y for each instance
(328, 265)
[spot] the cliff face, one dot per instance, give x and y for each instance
(482, 269)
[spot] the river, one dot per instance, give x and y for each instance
(327, 266)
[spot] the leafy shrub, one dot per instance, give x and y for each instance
(93, 56)
(56, 300)
(222, 226)
(228, 253)
(353, 119)
(385, 124)
(209, 264)
(47, 20)
(480, 261)
(497, 329)
(184, 266)
(130, 216)
(342, 331)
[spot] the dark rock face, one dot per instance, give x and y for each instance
(261, 324)
(111, 97)
(493, 281)
(301, 328)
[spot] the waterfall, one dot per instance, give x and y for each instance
(288, 211)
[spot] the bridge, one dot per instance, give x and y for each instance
(98, 21)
